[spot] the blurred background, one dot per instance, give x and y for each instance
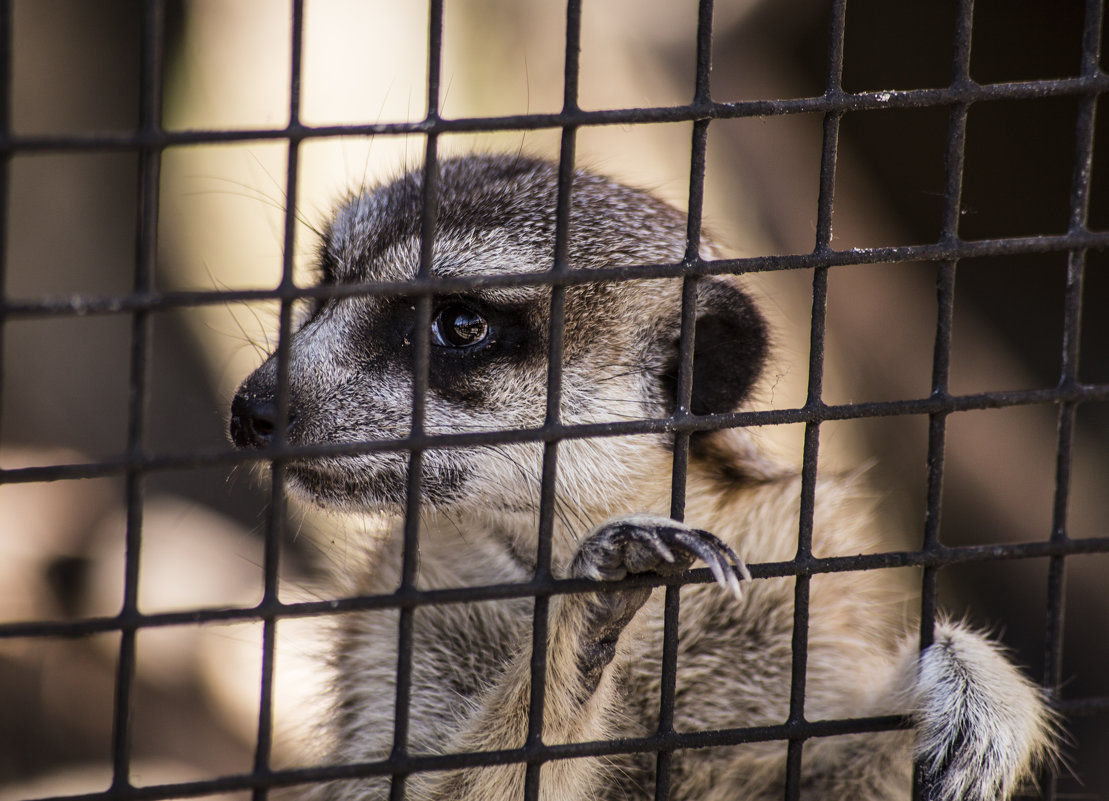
(72, 230)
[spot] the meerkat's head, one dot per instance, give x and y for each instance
(350, 368)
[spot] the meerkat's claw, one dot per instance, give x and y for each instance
(726, 566)
(644, 544)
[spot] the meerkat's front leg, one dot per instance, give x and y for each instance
(584, 629)
(637, 545)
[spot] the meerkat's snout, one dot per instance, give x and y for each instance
(254, 420)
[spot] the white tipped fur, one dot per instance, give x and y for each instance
(981, 727)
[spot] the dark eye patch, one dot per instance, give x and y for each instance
(471, 331)
(468, 338)
(481, 340)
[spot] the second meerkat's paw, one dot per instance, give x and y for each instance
(640, 544)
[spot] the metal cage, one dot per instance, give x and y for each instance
(144, 301)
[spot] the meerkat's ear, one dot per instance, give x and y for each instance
(729, 349)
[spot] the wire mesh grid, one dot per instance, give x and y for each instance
(150, 140)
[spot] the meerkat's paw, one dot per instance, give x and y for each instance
(640, 544)
(982, 727)
(645, 543)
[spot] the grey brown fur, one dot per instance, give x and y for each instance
(980, 726)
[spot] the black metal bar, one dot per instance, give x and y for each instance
(277, 509)
(684, 389)
(813, 566)
(146, 229)
(862, 101)
(940, 251)
(814, 399)
(703, 739)
(421, 344)
(945, 300)
(1072, 335)
(5, 173)
(601, 748)
(937, 428)
(671, 602)
(1083, 393)
(549, 479)
(799, 643)
(954, 159)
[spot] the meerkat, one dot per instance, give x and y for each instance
(979, 727)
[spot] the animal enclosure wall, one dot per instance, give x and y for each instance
(918, 193)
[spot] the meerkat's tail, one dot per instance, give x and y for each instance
(982, 728)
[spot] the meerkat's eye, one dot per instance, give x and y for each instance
(459, 326)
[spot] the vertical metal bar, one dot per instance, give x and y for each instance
(276, 513)
(814, 402)
(5, 169)
(671, 609)
(421, 344)
(945, 290)
(833, 89)
(549, 481)
(150, 109)
(937, 428)
(954, 159)
(684, 392)
(1068, 378)
(799, 642)
(810, 458)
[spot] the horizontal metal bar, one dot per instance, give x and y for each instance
(831, 101)
(535, 753)
(1083, 707)
(813, 412)
(936, 557)
(81, 306)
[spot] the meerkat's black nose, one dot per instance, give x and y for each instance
(254, 420)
